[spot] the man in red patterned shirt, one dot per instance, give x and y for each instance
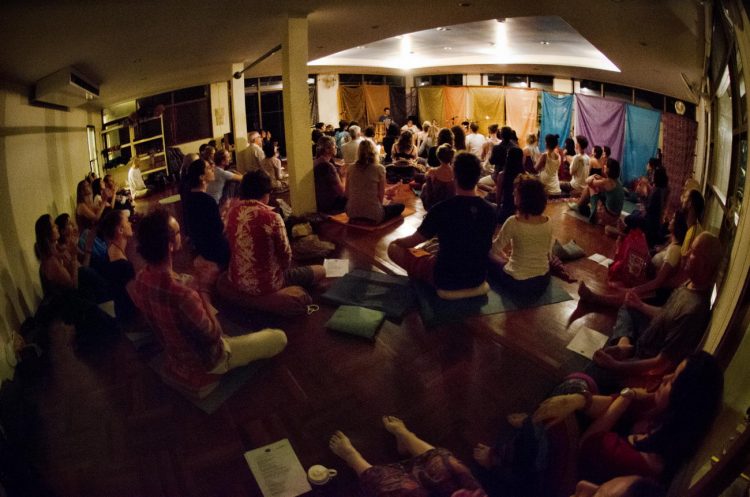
(261, 255)
(183, 319)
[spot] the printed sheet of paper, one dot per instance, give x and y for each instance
(600, 259)
(277, 470)
(587, 341)
(336, 268)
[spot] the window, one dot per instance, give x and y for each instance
(649, 100)
(617, 92)
(93, 158)
(516, 81)
(350, 79)
(542, 82)
(586, 87)
(374, 79)
(495, 80)
(187, 113)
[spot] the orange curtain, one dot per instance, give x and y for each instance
(487, 106)
(454, 109)
(521, 112)
(431, 104)
(352, 103)
(377, 98)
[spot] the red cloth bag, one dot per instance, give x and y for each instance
(631, 260)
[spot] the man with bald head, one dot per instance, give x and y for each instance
(653, 340)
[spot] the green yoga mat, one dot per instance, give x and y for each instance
(383, 292)
(435, 310)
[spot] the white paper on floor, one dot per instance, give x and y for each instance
(335, 268)
(277, 470)
(587, 341)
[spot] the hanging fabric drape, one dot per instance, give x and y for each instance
(377, 98)
(678, 149)
(486, 106)
(431, 105)
(557, 113)
(352, 103)
(521, 112)
(641, 140)
(602, 122)
(454, 110)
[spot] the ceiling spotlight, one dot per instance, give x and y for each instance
(440, 29)
(544, 42)
(360, 47)
(447, 48)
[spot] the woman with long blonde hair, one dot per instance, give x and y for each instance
(365, 189)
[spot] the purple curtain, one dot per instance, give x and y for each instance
(602, 122)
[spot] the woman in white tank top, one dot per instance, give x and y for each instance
(549, 165)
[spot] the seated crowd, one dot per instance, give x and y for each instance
(485, 199)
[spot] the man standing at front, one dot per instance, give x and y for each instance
(195, 349)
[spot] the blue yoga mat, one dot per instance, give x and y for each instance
(228, 385)
(383, 292)
(435, 310)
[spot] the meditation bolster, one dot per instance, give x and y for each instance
(289, 301)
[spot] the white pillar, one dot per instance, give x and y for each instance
(239, 119)
(297, 115)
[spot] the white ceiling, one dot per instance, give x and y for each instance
(141, 47)
(540, 40)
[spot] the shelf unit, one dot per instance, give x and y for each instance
(144, 141)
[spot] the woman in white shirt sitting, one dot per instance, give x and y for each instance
(520, 252)
(548, 166)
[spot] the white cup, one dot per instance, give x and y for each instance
(320, 475)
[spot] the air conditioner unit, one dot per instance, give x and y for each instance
(66, 87)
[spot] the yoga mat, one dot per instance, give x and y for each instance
(228, 385)
(577, 215)
(383, 292)
(435, 310)
(344, 219)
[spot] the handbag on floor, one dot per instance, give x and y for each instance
(631, 260)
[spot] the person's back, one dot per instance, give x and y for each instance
(260, 249)
(205, 227)
(464, 227)
(475, 141)
(363, 200)
(349, 151)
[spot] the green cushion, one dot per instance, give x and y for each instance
(356, 320)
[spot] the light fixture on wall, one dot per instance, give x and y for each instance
(328, 80)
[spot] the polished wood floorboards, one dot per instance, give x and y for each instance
(109, 427)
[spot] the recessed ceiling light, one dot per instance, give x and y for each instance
(544, 42)
(440, 29)
(361, 47)
(447, 48)
(399, 37)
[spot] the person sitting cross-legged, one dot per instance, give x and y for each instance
(259, 274)
(648, 341)
(524, 270)
(464, 226)
(429, 472)
(196, 351)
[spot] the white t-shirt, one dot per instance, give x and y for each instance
(474, 144)
(530, 247)
(349, 151)
(670, 255)
(135, 180)
(579, 171)
(548, 175)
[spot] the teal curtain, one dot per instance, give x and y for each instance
(641, 140)
(557, 111)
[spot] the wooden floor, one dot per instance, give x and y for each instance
(109, 427)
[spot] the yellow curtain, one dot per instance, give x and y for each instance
(431, 105)
(487, 106)
(521, 112)
(377, 98)
(454, 111)
(352, 103)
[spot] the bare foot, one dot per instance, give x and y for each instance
(516, 419)
(398, 429)
(342, 447)
(483, 455)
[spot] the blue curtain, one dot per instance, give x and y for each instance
(641, 141)
(556, 114)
